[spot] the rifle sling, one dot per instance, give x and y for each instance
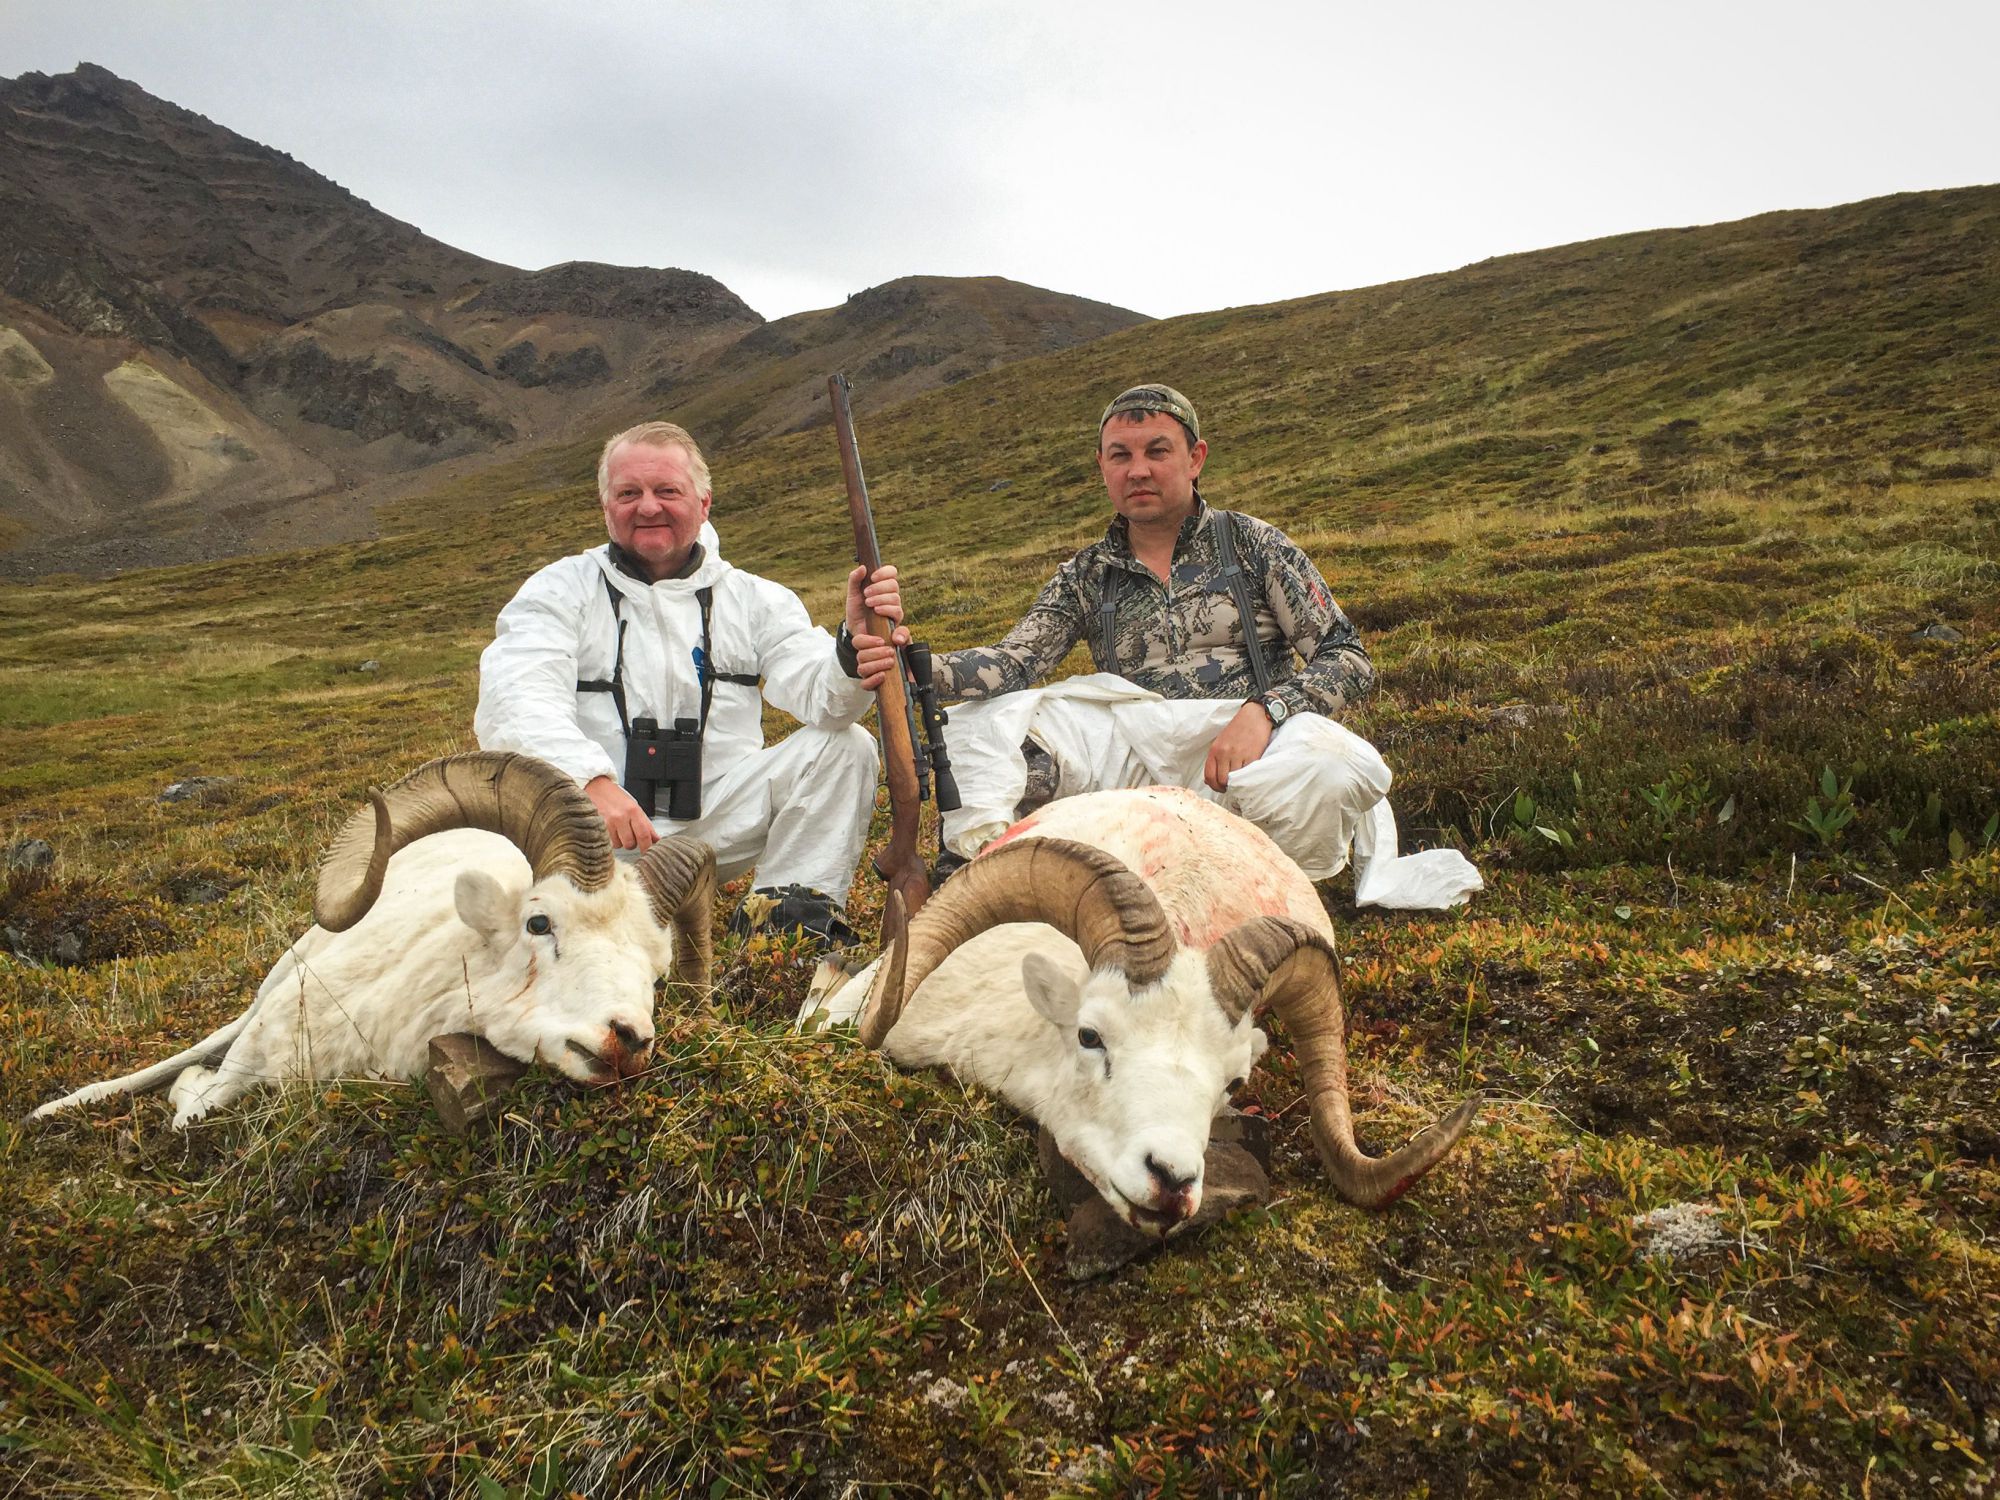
(1239, 590)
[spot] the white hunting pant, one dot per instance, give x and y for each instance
(798, 810)
(1319, 790)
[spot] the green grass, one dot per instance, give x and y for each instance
(1639, 533)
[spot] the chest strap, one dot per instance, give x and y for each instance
(708, 676)
(1239, 592)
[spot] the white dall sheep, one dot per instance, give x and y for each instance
(1125, 1029)
(505, 916)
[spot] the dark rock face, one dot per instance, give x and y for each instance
(365, 398)
(900, 359)
(419, 332)
(638, 294)
(892, 299)
(48, 262)
(771, 339)
(584, 366)
(522, 364)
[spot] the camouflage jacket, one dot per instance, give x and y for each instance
(1184, 640)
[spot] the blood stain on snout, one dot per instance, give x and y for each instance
(626, 1052)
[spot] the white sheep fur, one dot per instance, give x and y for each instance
(1006, 1008)
(445, 948)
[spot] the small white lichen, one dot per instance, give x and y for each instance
(944, 1392)
(1060, 1404)
(1681, 1231)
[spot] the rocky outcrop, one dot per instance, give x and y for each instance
(49, 262)
(635, 294)
(422, 333)
(365, 397)
(524, 365)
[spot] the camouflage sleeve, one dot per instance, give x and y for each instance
(1029, 652)
(1337, 672)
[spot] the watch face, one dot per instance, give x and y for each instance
(1275, 709)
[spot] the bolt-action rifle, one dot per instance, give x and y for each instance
(912, 724)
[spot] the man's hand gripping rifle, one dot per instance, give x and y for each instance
(912, 724)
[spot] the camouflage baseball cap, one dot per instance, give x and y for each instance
(1155, 398)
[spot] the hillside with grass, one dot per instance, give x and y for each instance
(1679, 554)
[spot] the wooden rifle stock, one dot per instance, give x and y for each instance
(900, 865)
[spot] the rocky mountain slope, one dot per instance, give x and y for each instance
(206, 347)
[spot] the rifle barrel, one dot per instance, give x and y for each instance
(900, 864)
(867, 551)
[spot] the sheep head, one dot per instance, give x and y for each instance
(1152, 1037)
(1142, 1074)
(581, 944)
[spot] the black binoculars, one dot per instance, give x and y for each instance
(656, 758)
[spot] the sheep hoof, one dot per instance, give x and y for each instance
(190, 1095)
(468, 1080)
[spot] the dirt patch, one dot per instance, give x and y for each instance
(1781, 1059)
(79, 922)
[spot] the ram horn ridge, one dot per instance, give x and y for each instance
(679, 876)
(1082, 892)
(1294, 970)
(526, 801)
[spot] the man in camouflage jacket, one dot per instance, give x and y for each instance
(1175, 699)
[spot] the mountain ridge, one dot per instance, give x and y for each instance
(232, 352)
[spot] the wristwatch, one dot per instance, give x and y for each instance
(1273, 705)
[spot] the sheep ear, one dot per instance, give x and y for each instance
(484, 904)
(1051, 991)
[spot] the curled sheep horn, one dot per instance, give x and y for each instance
(1291, 968)
(1082, 892)
(526, 801)
(679, 876)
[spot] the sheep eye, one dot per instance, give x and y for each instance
(1085, 1037)
(539, 925)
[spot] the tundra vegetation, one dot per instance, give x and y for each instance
(1648, 536)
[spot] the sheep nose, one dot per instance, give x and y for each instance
(1172, 1182)
(627, 1049)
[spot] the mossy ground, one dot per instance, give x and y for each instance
(1640, 534)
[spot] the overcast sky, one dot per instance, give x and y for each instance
(1166, 156)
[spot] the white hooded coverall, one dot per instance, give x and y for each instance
(798, 811)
